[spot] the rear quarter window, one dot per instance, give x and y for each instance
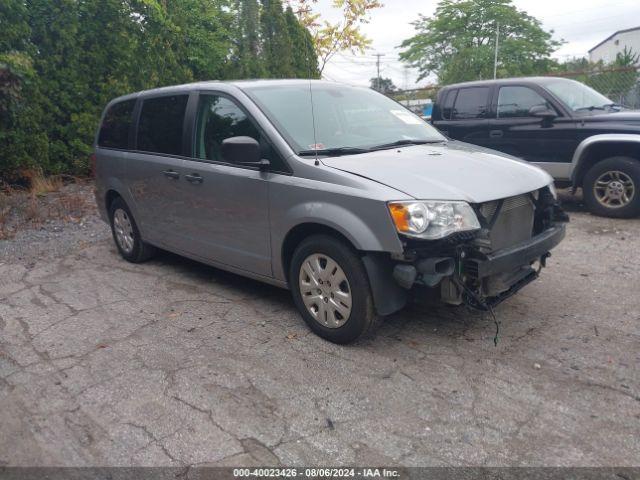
(114, 131)
(161, 124)
(471, 103)
(447, 104)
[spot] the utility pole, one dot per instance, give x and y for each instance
(495, 58)
(378, 55)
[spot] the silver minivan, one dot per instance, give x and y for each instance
(338, 193)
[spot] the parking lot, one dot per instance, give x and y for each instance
(174, 363)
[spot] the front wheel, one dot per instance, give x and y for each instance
(611, 188)
(331, 289)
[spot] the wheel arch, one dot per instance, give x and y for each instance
(600, 147)
(298, 233)
(110, 196)
(388, 297)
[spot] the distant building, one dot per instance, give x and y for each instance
(607, 49)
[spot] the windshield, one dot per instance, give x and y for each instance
(576, 95)
(349, 119)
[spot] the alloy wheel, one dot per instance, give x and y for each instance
(614, 189)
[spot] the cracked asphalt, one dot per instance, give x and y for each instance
(175, 363)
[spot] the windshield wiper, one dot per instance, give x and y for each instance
(333, 151)
(591, 108)
(613, 105)
(400, 143)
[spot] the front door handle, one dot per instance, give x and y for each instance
(193, 178)
(496, 134)
(171, 174)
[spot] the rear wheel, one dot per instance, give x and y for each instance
(331, 289)
(612, 187)
(126, 234)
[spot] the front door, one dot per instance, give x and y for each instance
(549, 142)
(225, 207)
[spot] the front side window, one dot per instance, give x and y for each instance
(161, 124)
(517, 101)
(114, 131)
(471, 103)
(220, 118)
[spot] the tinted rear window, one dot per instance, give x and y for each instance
(160, 126)
(447, 104)
(471, 103)
(114, 131)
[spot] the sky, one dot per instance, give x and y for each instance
(581, 23)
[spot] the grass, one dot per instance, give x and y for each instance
(40, 199)
(41, 185)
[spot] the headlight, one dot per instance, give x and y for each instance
(432, 220)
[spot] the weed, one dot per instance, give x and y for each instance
(41, 185)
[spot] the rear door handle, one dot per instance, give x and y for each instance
(194, 178)
(496, 134)
(171, 174)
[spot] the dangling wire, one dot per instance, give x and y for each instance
(484, 306)
(495, 321)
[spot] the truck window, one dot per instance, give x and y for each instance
(114, 131)
(447, 104)
(471, 103)
(517, 101)
(161, 124)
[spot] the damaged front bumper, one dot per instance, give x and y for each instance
(484, 280)
(462, 270)
(481, 280)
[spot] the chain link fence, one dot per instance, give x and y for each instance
(622, 84)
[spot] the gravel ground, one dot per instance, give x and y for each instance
(175, 363)
(55, 229)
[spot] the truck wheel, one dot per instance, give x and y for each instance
(331, 289)
(611, 188)
(126, 234)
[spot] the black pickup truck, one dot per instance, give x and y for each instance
(579, 136)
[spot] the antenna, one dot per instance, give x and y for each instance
(313, 113)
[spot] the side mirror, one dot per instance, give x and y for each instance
(542, 111)
(243, 151)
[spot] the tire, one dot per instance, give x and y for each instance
(336, 327)
(136, 251)
(621, 174)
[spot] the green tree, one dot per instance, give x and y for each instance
(383, 85)
(330, 38)
(458, 42)
(276, 48)
(61, 61)
(248, 60)
(304, 60)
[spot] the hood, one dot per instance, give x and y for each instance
(631, 117)
(451, 171)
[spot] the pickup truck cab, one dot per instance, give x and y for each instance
(337, 193)
(577, 135)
